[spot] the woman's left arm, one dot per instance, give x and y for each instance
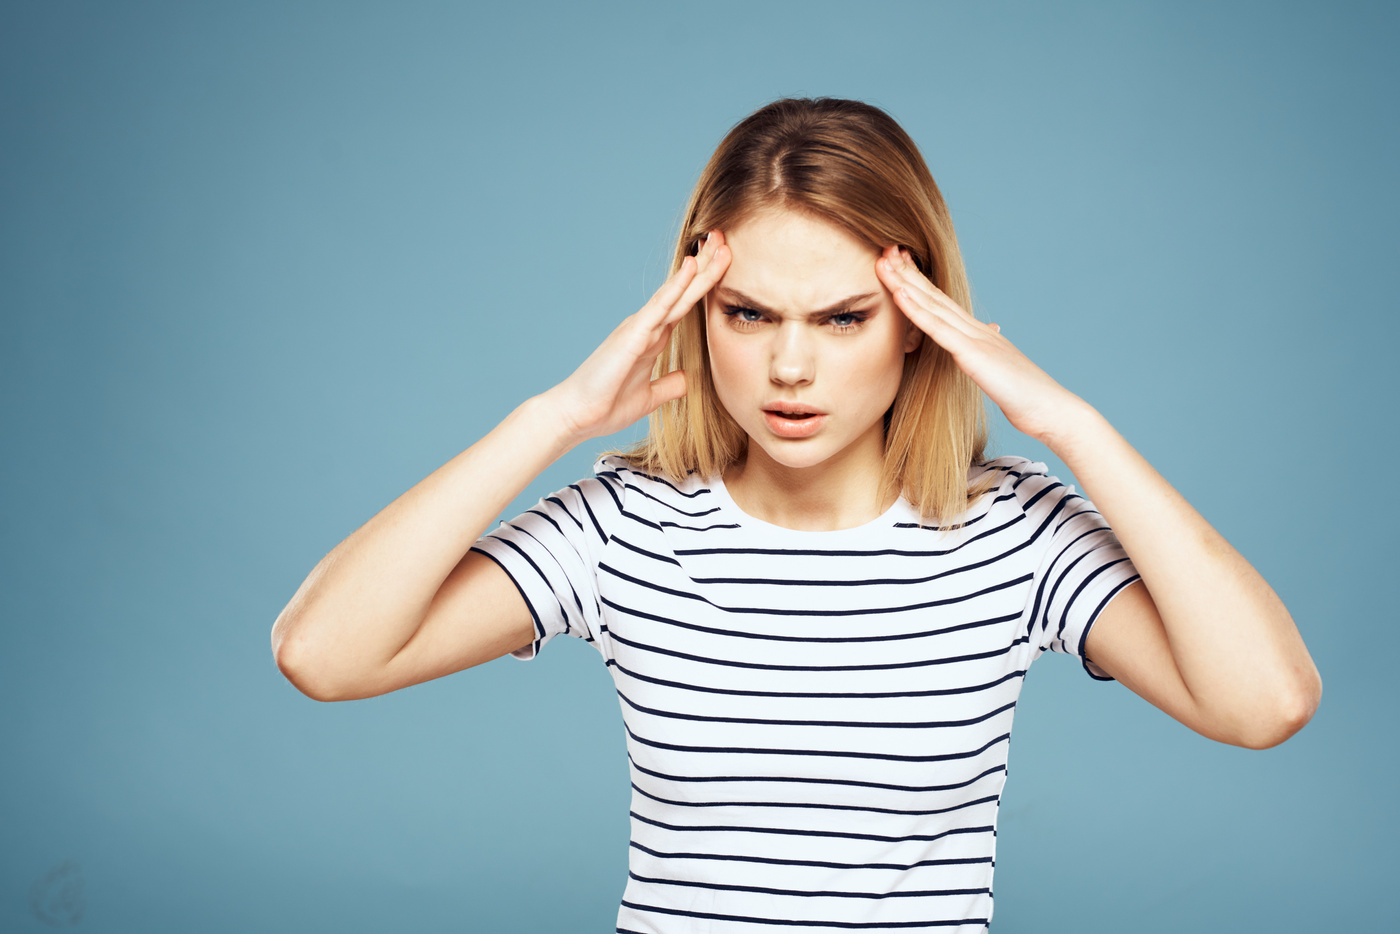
(1202, 636)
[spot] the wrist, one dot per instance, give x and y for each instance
(548, 413)
(1075, 426)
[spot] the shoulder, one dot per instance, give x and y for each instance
(632, 488)
(637, 494)
(1021, 485)
(617, 472)
(1010, 476)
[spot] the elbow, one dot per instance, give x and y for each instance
(291, 658)
(1286, 716)
(295, 676)
(304, 679)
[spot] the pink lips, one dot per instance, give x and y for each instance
(792, 408)
(793, 427)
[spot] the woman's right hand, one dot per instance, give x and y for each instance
(613, 388)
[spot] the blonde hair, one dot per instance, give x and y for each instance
(851, 165)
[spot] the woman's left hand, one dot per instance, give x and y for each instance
(1029, 398)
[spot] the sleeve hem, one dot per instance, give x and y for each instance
(533, 649)
(1094, 671)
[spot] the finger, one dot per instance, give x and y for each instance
(942, 322)
(902, 276)
(673, 289)
(909, 274)
(667, 388)
(715, 265)
(901, 266)
(942, 327)
(663, 298)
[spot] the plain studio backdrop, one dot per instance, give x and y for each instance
(263, 266)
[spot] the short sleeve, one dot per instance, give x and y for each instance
(1081, 565)
(551, 553)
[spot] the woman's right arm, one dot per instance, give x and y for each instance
(402, 600)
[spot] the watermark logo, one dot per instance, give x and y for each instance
(57, 898)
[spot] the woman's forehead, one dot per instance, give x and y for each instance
(794, 262)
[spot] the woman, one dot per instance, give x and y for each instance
(818, 601)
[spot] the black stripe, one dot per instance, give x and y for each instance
(802, 894)
(539, 626)
(784, 921)
(1023, 477)
(543, 579)
(1084, 636)
(1009, 469)
(1064, 617)
(739, 634)
(1060, 579)
(639, 520)
(642, 551)
(656, 499)
(1043, 525)
(800, 804)
(661, 480)
(1051, 574)
(849, 553)
(873, 724)
(814, 781)
(856, 583)
(1085, 511)
(933, 692)
(708, 528)
(768, 666)
(617, 500)
(831, 753)
(767, 611)
(792, 831)
(565, 510)
(823, 864)
(547, 550)
(967, 523)
(550, 519)
(602, 536)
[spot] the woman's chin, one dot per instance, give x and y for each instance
(794, 454)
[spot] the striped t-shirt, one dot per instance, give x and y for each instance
(817, 722)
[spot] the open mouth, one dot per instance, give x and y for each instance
(794, 424)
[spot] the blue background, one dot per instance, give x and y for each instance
(264, 266)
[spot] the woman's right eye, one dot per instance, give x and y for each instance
(741, 315)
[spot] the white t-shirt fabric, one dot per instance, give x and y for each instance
(817, 722)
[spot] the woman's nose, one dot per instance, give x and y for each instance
(792, 361)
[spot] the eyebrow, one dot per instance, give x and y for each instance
(727, 294)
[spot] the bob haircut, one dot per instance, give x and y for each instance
(851, 165)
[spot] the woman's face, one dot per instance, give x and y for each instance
(801, 320)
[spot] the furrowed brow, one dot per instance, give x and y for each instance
(735, 297)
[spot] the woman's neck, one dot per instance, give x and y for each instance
(842, 492)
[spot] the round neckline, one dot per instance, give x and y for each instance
(732, 509)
